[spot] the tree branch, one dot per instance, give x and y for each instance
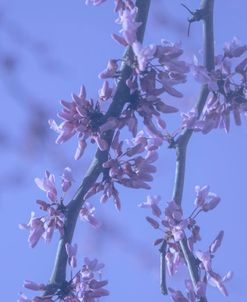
(182, 141)
(121, 96)
(163, 287)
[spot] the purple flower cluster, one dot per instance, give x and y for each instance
(85, 286)
(148, 81)
(228, 85)
(156, 69)
(44, 226)
(174, 228)
(83, 117)
(127, 168)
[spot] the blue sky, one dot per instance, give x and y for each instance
(79, 45)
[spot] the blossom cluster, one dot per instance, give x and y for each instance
(228, 86)
(85, 118)
(156, 69)
(127, 167)
(44, 226)
(176, 228)
(85, 286)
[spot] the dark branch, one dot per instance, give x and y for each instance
(182, 141)
(122, 94)
(163, 287)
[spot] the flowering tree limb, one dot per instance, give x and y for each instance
(146, 73)
(122, 94)
(207, 7)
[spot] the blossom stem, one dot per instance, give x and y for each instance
(183, 139)
(122, 94)
(163, 287)
(193, 212)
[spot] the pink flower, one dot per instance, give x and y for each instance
(143, 54)
(153, 222)
(127, 19)
(152, 202)
(93, 265)
(71, 252)
(65, 130)
(110, 71)
(67, 179)
(47, 184)
(234, 48)
(80, 148)
(205, 199)
(212, 202)
(177, 295)
(23, 298)
(83, 117)
(94, 2)
(173, 211)
(36, 228)
(205, 258)
(34, 286)
(201, 195)
(216, 281)
(87, 214)
(229, 89)
(216, 243)
(189, 119)
(201, 74)
(178, 230)
(105, 92)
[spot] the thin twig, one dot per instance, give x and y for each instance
(163, 287)
(121, 96)
(182, 141)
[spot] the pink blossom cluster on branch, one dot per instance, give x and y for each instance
(174, 227)
(85, 286)
(228, 85)
(44, 226)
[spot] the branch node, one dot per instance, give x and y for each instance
(197, 15)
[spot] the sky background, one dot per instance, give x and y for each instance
(47, 50)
